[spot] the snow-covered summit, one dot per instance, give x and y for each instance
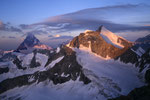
(111, 37)
(101, 42)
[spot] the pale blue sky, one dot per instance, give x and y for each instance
(32, 11)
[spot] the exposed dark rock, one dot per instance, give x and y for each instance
(128, 57)
(65, 70)
(43, 51)
(53, 56)
(142, 93)
(33, 61)
(147, 76)
(14, 82)
(144, 60)
(18, 63)
(99, 29)
(4, 70)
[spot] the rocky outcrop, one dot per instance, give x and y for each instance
(18, 63)
(143, 62)
(142, 93)
(138, 54)
(63, 71)
(4, 70)
(34, 63)
(147, 76)
(128, 56)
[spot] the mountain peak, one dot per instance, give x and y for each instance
(101, 42)
(31, 40)
(30, 43)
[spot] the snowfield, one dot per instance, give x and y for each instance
(109, 79)
(125, 76)
(26, 59)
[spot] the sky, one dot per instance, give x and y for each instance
(50, 18)
(32, 11)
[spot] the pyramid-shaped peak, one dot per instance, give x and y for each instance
(31, 40)
(30, 43)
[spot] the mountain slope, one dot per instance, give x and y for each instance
(80, 70)
(71, 71)
(138, 54)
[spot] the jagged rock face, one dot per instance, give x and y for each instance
(65, 70)
(69, 67)
(98, 45)
(147, 76)
(144, 61)
(142, 93)
(4, 70)
(138, 54)
(128, 57)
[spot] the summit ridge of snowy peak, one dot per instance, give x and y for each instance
(30, 43)
(101, 42)
(112, 38)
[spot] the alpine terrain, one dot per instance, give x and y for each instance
(95, 65)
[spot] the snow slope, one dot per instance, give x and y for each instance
(109, 79)
(26, 59)
(110, 37)
(125, 76)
